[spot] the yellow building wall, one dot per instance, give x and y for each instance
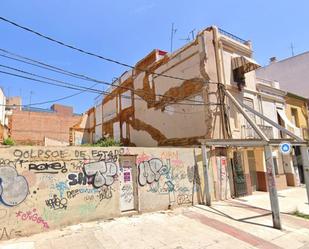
(301, 107)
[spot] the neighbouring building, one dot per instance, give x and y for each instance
(296, 120)
(2, 114)
(292, 73)
(265, 97)
(30, 125)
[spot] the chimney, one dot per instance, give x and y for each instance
(272, 60)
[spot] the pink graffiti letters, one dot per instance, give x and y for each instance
(32, 216)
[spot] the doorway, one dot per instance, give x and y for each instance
(128, 183)
(240, 185)
(252, 169)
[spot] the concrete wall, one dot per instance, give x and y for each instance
(43, 188)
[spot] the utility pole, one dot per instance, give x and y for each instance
(173, 31)
(273, 195)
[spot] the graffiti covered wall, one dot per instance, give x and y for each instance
(43, 188)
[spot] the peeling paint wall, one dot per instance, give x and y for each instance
(44, 188)
(149, 116)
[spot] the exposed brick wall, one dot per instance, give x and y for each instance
(62, 110)
(31, 127)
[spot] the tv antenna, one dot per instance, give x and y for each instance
(173, 31)
(292, 48)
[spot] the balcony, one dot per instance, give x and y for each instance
(234, 37)
(305, 133)
(249, 132)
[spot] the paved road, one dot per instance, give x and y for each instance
(229, 224)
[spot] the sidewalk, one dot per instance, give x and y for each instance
(228, 224)
(290, 200)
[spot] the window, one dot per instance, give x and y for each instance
(239, 77)
(294, 116)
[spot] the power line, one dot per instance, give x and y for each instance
(50, 101)
(72, 74)
(91, 53)
(75, 87)
(41, 81)
(55, 80)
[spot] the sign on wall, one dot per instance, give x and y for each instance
(285, 147)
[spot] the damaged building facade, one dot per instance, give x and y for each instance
(178, 99)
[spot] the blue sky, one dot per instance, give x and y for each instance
(129, 29)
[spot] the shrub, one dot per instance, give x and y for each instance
(104, 142)
(8, 141)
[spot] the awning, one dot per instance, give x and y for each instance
(286, 120)
(247, 63)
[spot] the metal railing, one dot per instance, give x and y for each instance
(305, 133)
(249, 132)
(234, 37)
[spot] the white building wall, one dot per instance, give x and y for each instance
(2, 107)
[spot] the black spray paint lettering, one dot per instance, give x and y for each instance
(6, 234)
(40, 154)
(184, 199)
(57, 203)
(107, 156)
(13, 187)
(80, 179)
(49, 168)
(8, 162)
(127, 193)
(105, 193)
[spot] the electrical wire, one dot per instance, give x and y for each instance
(76, 87)
(90, 53)
(50, 101)
(73, 74)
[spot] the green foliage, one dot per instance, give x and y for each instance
(8, 141)
(301, 215)
(104, 142)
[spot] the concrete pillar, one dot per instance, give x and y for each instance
(305, 159)
(206, 176)
(274, 202)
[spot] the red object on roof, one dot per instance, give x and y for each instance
(161, 52)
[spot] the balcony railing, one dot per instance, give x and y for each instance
(305, 133)
(234, 37)
(249, 132)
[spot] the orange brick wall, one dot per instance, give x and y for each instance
(32, 127)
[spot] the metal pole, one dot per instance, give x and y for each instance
(246, 116)
(274, 202)
(305, 159)
(206, 176)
